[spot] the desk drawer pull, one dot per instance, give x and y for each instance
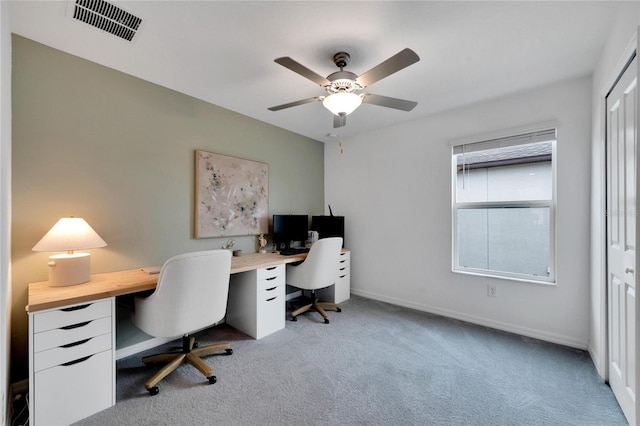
(76, 361)
(273, 298)
(271, 278)
(271, 268)
(272, 288)
(342, 276)
(79, 342)
(80, 324)
(75, 308)
(342, 269)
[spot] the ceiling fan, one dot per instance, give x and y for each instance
(342, 86)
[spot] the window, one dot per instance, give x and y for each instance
(503, 207)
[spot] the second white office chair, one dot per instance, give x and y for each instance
(318, 270)
(191, 295)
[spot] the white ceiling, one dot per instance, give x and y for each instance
(223, 51)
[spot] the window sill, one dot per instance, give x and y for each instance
(504, 277)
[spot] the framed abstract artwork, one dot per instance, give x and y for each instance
(231, 196)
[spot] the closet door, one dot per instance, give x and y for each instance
(622, 121)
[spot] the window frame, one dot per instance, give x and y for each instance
(550, 204)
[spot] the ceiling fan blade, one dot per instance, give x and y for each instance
(297, 67)
(296, 103)
(339, 121)
(388, 102)
(400, 60)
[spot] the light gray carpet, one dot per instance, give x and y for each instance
(374, 364)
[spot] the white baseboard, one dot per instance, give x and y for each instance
(598, 363)
(523, 331)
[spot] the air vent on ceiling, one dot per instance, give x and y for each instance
(107, 17)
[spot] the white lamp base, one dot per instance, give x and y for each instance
(69, 269)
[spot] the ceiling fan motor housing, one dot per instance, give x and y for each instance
(342, 81)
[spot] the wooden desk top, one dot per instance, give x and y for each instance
(42, 296)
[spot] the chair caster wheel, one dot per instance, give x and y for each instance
(212, 379)
(153, 390)
(338, 309)
(326, 320)
(294, 319)
(228, 351)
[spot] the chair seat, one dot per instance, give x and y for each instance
(191, 295)
(318, 270)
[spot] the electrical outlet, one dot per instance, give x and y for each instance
(492, 291)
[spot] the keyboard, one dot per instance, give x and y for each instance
(294, 251)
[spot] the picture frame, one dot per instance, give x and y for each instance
(231, 196)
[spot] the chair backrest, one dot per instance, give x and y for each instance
(320, 268)
(191, 294)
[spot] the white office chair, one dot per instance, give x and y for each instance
(318, 270)
(191, 295)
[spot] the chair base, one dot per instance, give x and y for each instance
(190, 354)
(319, 307)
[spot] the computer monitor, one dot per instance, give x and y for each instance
(328, 226)
(288, 228)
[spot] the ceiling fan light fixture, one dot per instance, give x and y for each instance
(342, 103)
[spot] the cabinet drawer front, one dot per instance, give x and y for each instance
(66, 394)
(344, 269)
(271, 312)
(271, 282)
(74, 333)
(270, 272)
(345, 256)
(72, 353)
(267, 295)
(75, 314)
(344, 278)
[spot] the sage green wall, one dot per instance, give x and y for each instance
(92, 142)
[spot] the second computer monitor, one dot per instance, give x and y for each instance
(328, 226)
(288, 228)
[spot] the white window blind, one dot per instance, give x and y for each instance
(521, 139)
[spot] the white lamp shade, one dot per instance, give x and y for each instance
(68, 234)
(342, 103)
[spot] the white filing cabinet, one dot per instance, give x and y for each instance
(256, 301)
(341, 291)
(71, 362)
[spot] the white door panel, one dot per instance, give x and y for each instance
(621, 238)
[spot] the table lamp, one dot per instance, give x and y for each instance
(69, 234)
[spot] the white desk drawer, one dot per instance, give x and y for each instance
(271, 282)
(70, 334)
(271, 311)
(66, 394)
(270, 272)
(73, 352)
(344, 269)
(76, 314)
(268, 294)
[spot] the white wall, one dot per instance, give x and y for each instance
(394, 187)
(5, 207)
(619, 47)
